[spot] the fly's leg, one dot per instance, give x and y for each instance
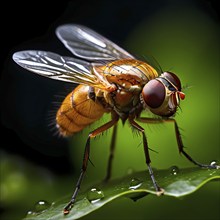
(181, 148)
(179, 140)
(92, 134)
(158, 189)
(111, 156)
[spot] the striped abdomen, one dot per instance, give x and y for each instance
(77, 111)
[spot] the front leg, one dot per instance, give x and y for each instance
(179, 140)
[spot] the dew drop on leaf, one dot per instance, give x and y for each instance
(41, 206)
(94, 195)
(213, 163)
(30, 213)
(135, 183)
(174, 170)
(38, 208)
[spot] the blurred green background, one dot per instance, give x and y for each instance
(184, 39)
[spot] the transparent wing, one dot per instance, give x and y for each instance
(54, 66)
(86, 43)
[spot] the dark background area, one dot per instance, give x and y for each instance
(27, 100)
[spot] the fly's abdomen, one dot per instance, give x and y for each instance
(77, 111)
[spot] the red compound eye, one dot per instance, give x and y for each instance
(154, 93)
(173, 79)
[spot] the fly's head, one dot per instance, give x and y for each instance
(162, 95)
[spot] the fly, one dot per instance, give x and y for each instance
(111, 80)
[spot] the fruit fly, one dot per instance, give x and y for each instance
(111, 80)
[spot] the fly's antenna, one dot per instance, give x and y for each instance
(186, 87)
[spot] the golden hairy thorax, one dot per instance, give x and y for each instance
(78, 110)
(129, 76)
(129, 72)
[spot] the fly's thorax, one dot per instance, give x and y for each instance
(128, 76)
(122, 101)
(128, 72)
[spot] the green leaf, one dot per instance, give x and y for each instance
(175, 182)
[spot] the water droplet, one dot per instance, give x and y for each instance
(135, 183)
(30, 213)
(174, 170)
(213, 163)
(41, 206)
(94, 195)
